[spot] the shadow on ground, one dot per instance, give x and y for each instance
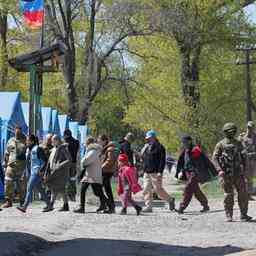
(21, 244)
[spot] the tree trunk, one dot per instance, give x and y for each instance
(190, 75)
(69, 75)
(3, 50)
(190, 80)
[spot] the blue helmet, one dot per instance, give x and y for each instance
(151, 134)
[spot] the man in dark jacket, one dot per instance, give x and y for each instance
(126, 147)
(194, 167)
(154, 159)
(73, 148)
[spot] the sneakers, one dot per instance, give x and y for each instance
(64, 208)
(21, 209)
(147, 210)
(245, 218)
(7, 204)
(172, 204)
(101, 208)
(138, 209)
(79, 210)
(110, 211)
(205, 209)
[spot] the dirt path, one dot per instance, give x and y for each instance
(160, 233)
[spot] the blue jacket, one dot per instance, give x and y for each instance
(36, 160)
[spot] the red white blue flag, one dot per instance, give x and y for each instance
(33, 12)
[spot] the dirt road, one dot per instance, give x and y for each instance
(161, 233)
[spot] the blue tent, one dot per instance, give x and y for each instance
(25, 109)
(1, 182)
(1, 170)
(11, 115)
(74, 128)
(64, 123)
(55, 122)
(84, 131)
(47, 120)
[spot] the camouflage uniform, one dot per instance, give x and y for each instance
(249, 144)
(228, 158)
(15, 162)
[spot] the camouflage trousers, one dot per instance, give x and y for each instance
(229, 183)
(15, 175)
(250, 173)
(71, 185)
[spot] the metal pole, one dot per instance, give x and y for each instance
(248, 88)
(32, 99)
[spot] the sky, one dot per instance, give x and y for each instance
(251, 10)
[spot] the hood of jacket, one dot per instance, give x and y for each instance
(94, 146)
(109, 147)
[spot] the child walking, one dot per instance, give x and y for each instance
(127, 184)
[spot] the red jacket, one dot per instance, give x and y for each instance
(130, 173)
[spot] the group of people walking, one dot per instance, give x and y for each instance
(52, 169)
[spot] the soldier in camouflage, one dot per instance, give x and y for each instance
(15, 164)
(248, 140)
(229, 162)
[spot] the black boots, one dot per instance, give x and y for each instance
(205, 209)
(245, 218)
(138, 209)
(64, 208)
(123, 211)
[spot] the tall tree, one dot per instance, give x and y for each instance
(3, 46)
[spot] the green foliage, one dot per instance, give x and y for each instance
(155, 100)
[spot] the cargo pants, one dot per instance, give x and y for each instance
(15, 174)
(228, 184)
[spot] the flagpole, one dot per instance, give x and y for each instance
(42, 32)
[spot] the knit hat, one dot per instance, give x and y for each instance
(123, 158)
(151, 134)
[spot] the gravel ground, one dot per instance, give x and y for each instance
(160, 233)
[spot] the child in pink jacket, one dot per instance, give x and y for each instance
(127, 184)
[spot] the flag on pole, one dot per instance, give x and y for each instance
(33, 12)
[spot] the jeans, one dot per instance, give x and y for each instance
(108, 189)
(35, 182)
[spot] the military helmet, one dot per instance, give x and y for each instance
(229, 127)
(250, 124)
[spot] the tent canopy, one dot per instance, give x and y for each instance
(74, 128)
(11, 115)
(47, 120)
(55, 122)
(64, 123)
(25, 109)
(11, 111)
(84, 131)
